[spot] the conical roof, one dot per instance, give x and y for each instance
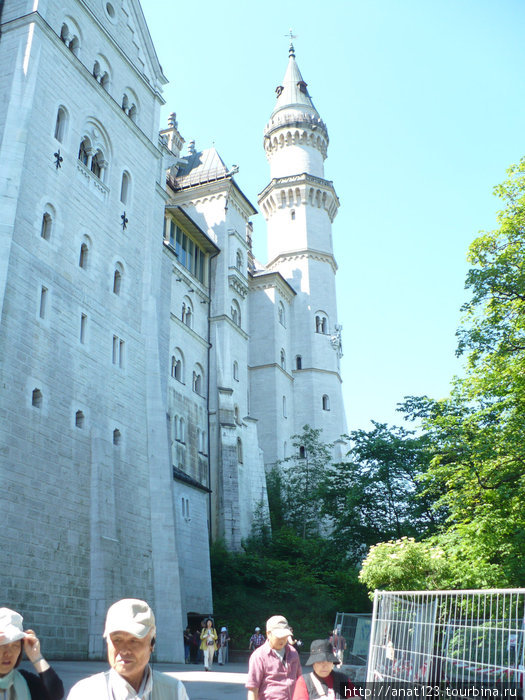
(293, 93)
(293, 100)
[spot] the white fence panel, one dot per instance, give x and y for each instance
(452, 638)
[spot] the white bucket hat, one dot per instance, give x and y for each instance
(11, 629)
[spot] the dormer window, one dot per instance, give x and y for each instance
(279, 90)
(302, 87)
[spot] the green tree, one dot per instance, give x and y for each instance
(301, 478)
(478, 433)
(377, 495)
(405, 564)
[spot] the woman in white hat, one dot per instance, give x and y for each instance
(323, 681)
(22, 685)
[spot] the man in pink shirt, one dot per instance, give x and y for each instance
(274, 666)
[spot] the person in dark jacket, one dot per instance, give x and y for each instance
(22, 685)
(323, 681)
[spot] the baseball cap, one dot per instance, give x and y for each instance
(130, 615)
(11, 629)
(278, 626)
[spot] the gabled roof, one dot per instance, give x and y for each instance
(146, 46)
(149, 48)
(127, 28)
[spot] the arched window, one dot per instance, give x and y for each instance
(117, 280)
(124, 188)
(79, 419)
(236, 414)
(283, 359)
(176, 365)
(116, 436)
(97, 164)
(321, 323)
(302, 452)
(236, 370)
(129, 104)
(84, 151)
(176, 368)
(187, 312)
(69, 38)
(74, 45)
(282, 315)
(292, 215)
(36, 398)
(236, 313)
(326, 403)
(101, 74)
(238, 260)
(60, 124)
(84, 255)
(284, 407)
(47, 225)
(197, 382)
(239, 451)
(298, 362)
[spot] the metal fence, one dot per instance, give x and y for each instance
(351, 639)
(455, 638)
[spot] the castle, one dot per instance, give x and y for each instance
(151, 369)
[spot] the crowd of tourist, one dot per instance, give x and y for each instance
(274, 669)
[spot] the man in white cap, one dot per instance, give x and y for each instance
(130, 636)
(275, 666)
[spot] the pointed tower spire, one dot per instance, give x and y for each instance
(295, 130)
(293, 93)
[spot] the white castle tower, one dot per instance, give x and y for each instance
(301, 368)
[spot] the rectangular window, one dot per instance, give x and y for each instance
(178, 244)
(43, 302)
(83, 327)
(184, 257)
(191, 257)
(187, 251)
(118, 351)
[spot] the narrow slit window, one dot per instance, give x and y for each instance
(43, 302)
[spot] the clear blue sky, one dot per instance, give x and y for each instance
(425, 107)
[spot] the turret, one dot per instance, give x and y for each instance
(295, 138)
(298, 200)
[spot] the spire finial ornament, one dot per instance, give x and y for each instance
(291, 50)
